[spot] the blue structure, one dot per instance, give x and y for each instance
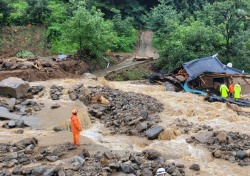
(209, 64)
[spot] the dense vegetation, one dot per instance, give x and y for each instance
(184, 29)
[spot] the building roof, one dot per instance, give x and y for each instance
(209, 64)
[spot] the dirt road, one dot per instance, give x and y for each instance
(144, 49)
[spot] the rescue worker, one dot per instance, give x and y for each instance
(224, 91)
(237, 91)
(75, 127)
(231, 90)
(161, 172)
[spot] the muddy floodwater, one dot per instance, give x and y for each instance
(176, 105)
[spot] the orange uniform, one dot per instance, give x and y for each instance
(231, 88)
(76, 128)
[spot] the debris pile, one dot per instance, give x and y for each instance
(27, 107)
(34, 90)
(16, 157)
(77, 92)
(15, 124)
(231, 146)
(56, 92)
(124, 112)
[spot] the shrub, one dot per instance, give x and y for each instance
(25, 54)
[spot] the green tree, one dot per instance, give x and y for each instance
(37, 11)
(229, 18)
(126, 33)
(5, 9)
(89, 30)
(17, 16)
(162, 19)
(189, 41)
(241, 48)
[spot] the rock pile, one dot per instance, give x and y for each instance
(34, 90)
(185, 127)
(56, 92)
(231, 146)
(15, 124)
(125, 112)
(25, 152)
(77, 92)
(27, 107)
(101, 163)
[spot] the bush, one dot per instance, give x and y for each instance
(25, 54)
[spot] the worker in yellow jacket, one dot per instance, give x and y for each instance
(224, 91)
(237, 91)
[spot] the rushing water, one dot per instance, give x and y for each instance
(176, 105)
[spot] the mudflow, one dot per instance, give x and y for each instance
(198, 137)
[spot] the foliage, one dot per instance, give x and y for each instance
(90, 31)
(126, 33)
(25, 54)
(241, 48)
(134, 74)
(18, 13)
(5, 10)
(37, 11)
(162, 20)
(189, 41)
(229, 18)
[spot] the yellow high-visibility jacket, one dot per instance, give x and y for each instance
(237, 91)
(224, 91)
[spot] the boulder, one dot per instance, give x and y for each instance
(52, 158)
(141, 126)
(55, 106)
(14, 87)
(151, 154)
(222, 137)
(204, 136)
(146, 172)
(195, 167)
(127, 168)
(241, 154)
(38, 170)
(25, 65)
(12, 124)
(153, 132)
(89, 76)
(217, 153)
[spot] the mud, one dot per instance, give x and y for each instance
(64, 69)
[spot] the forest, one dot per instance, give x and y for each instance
(183, 29)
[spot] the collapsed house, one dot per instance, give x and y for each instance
(204, 76)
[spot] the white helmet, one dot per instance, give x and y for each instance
(160, 171)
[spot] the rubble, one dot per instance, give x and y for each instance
(56, 92)
(15, 156)
(15, 124)
(123, 112)
(231, 146)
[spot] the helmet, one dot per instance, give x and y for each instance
(160, 171)
(74, 111)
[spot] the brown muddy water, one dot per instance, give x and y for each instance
(177, 105)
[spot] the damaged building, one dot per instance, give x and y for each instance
(204, 76)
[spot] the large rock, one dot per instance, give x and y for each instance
(153, 133)
(204, 136)
(222, 137)
(14, 87)
(89, 76)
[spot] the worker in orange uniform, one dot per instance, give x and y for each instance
(75, 127)
(231, 90)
